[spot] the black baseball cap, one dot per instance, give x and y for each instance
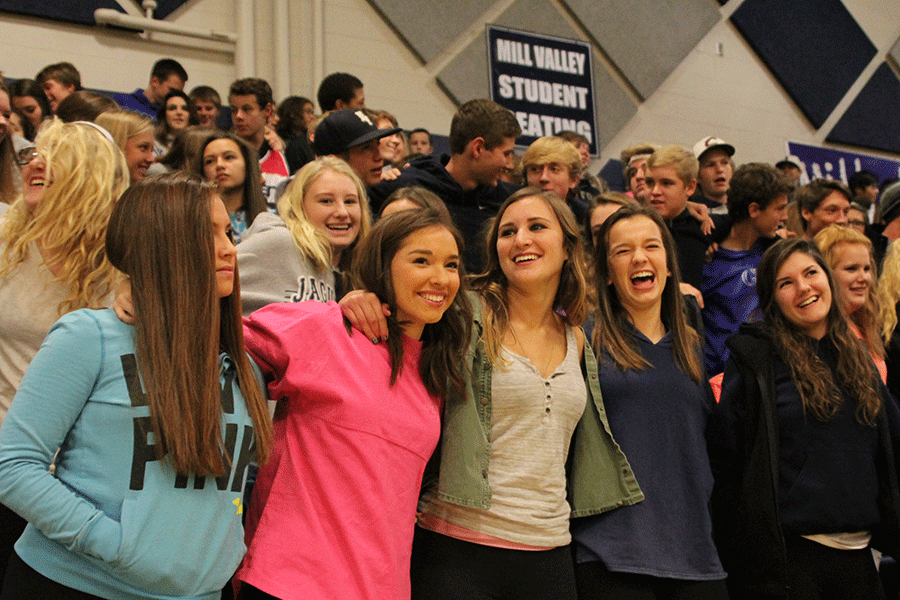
(345, 129)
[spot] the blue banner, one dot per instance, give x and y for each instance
(546, 82)
(827, 163)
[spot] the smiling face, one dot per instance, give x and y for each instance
(226, 254)
(832, 210)
(638, 269)
(853, 274)
(177, 114)
(551, 177)
(803, 294)
(425, 277)
(30, 108)
(530, 244)
(768, 220)
(56, 92)
(139, 154)
(224, 164)
(331, 204)
(35, 181)
(668, 193)
(488, 165)
(715, 173)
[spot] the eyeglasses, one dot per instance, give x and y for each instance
(26, 155)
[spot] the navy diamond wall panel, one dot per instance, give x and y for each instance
(73, 11)
(814, 48)
(872, 119)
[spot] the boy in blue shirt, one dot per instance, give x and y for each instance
(757, 205)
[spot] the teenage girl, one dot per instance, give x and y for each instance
(155, 423)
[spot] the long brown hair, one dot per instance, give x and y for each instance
(610, 329)
(7, 159)
(181, 325)
(814, 380)
(443, 343)
(254, 202)
(571, 294)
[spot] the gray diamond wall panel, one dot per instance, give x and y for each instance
(646, 39)
(429, 26)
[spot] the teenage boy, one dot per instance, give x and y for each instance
(588, 186)
(251, 107)
(757, 205)
(420, 141)
(482, 137)
(353, 136)
(207, 103)
(341, 91)
(822, 202)
(554, 165)
(58, 81)
(671, 179)
(714, 173)
(167, 75)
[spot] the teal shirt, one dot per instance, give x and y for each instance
(114, 521)
(599, 477)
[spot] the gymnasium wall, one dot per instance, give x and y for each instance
(666, 71)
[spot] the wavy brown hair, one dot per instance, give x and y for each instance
(181, 323)
(443, 343)
(612, 320)
(813, 378)
(571, 300)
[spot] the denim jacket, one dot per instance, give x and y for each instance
(598, 474)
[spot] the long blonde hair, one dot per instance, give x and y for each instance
(309, 240)
(123, 125)
(831, 242)
(889, 292)
(86, 174)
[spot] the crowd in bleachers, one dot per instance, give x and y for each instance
(260, 352)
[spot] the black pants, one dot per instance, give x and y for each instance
(248, 592)
(444, 568)
(818, 572)
(11, 528)
(596, 582)
(24, 583)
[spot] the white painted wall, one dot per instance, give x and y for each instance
(732, 95)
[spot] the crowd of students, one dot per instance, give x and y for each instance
(514, 384)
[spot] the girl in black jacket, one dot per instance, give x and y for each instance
(802, 444)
